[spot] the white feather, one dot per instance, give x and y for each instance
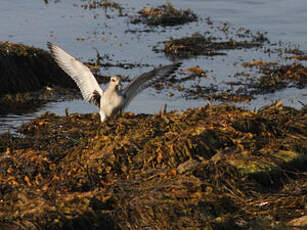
(79, 72)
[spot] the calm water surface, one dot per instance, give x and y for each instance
(66, 22)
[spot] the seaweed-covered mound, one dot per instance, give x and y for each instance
(30, 78)
(165, 15)
(24, 69)
(217, 167)
(198, 44)
(25, 102)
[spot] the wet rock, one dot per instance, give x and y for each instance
(24, 69)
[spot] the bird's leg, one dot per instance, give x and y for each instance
(120, 113)
(102, 116)
(116, 116)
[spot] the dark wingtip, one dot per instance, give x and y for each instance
(176, 66)
(50, 47)
(95, 99)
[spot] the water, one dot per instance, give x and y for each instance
(79, 31)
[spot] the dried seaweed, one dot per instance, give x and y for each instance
(206, 168)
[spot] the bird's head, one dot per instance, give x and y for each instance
(115, 82)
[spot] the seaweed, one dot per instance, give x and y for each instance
(275, 77)
(105, 4)
(198, 44)
(25, 69)
(30, 78)
(206, 168)
(269, 78)
(165, 15)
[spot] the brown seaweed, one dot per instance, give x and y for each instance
(165, 15)
(207, 168)
(198, 44)
(25, 69)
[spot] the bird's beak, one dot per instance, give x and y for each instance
(120, 85)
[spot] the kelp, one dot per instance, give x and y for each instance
(104, 4)
(212, 167)
(274, 77)
(199, 44)
(269, 77)
(164, 15)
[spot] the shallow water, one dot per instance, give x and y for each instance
(66, 22)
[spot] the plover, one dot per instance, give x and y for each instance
(112, 100)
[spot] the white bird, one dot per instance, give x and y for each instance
(112, 100)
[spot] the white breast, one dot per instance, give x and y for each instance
(110, 103)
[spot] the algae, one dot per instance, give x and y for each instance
(193, 170)
(25, 69)
(164, 15)
(30, 78)
(276, 77)
(199, 44)
(105, 4)
(268, 78)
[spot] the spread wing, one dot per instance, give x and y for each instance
(146, 79)
(80, 73)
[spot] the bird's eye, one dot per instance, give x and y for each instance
(113, 80)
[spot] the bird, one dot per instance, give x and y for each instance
(113, 100)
